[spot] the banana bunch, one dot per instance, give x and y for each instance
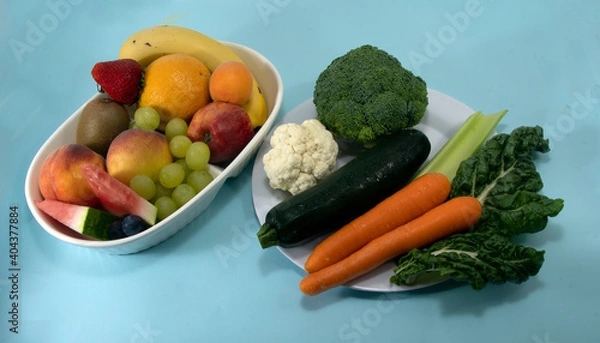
(153, 42)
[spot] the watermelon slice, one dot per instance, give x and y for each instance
(83, 219)
(116, 197)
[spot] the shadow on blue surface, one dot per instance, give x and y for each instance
(455, 298)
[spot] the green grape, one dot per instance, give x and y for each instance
(165, 206)
(199, 179)
(183, 163)
(179, 145)
(171, 175)
(146, 118)
(183, 193)
(143, 185)
(162, 191)
(175, 127)
(197, 155)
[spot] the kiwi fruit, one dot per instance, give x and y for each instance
(101, 120)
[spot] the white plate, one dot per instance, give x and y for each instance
(443, 117)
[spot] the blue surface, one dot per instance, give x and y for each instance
(538, 59)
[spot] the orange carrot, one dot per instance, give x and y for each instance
(455, 215)
(410, 202)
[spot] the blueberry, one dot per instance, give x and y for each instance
(132, 225)
(115, 231)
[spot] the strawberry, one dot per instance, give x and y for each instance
(119, 79)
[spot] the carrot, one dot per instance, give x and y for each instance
(410, 202)
(455, 215)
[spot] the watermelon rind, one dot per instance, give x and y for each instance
(86, 220)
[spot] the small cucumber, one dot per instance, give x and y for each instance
(348, 192)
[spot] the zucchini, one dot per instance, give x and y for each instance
(348, 192)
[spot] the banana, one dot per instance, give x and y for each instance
(153, 42)
(256, 107)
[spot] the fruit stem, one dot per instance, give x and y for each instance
(207, 137)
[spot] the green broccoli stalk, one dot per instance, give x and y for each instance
(366, 94)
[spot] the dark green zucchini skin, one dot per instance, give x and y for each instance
(347, 193)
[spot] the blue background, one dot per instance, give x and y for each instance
(538, 59)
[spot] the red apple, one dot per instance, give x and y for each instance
(224, 127)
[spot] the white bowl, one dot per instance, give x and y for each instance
(270, 83)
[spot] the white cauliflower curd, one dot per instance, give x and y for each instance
(301, 155)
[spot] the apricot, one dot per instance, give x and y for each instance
(231, 82)
(61, 178)
(137, 151)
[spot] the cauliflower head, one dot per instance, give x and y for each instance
(300, 156)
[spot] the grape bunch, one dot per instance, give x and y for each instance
(181, 180)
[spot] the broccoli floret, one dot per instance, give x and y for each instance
(366, 94)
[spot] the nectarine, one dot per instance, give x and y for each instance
(61, 178)
(45, 178)
(137, 151)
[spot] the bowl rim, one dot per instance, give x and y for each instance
(249, 151)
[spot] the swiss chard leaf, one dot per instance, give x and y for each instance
(475, 257)
(503, 177)
(517, 213)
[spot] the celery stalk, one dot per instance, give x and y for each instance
(463, 144)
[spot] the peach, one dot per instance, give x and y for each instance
(45, 179)
(61, 179)
(137, 151)
(231, 82)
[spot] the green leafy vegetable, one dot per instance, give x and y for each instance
(503, 177)
(474, 257)
(521, 212)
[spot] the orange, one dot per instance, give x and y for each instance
(176, 86)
